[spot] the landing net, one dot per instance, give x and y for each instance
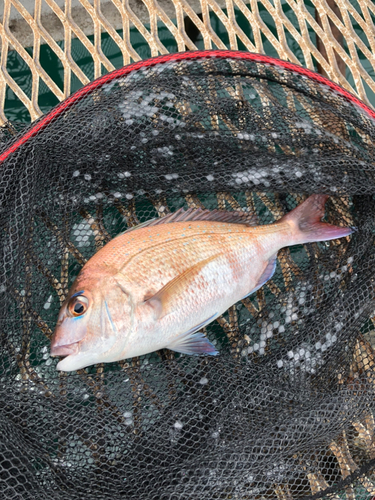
(286, 409)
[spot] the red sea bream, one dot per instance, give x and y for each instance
(155, 286)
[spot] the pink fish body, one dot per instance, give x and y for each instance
(157, 285)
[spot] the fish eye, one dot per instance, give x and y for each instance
(78, 305)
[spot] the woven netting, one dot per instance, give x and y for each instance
(285, 409)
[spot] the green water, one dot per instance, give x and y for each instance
(19, 71)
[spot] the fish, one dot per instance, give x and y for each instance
(157, 285)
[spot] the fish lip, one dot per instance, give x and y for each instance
(64, 350)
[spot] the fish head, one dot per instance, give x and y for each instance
(90, 327)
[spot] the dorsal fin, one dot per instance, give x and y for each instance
(192, 214)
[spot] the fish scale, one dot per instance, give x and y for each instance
(157, 285)
(184, 251)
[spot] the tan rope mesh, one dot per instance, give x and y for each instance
(331, 23)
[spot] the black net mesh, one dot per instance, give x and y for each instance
(286, 409)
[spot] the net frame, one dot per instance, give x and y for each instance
(89, 88)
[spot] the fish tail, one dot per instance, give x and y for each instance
(306, 222)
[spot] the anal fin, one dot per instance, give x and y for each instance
(191, 342)
(265, 276)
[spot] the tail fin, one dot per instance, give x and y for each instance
(305, 220)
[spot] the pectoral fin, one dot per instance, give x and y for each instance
(265, 276)
(164, 301)
(191, 342)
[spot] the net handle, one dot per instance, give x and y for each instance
(179, 56)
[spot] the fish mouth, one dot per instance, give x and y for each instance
(64, 350)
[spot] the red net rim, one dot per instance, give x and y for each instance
(180, 56)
